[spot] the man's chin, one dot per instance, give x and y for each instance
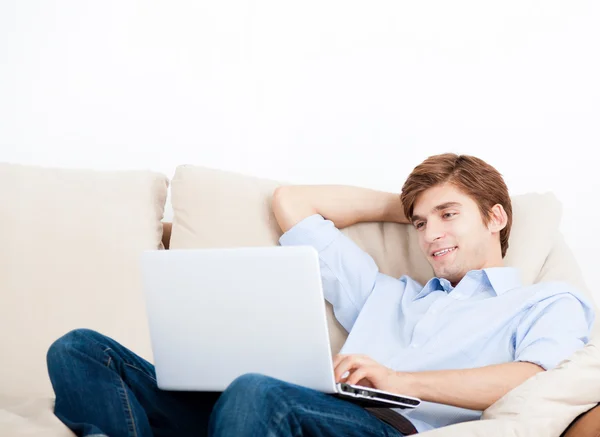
(446, 274)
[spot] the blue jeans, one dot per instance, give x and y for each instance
(104, 389)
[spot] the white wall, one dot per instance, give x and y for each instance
(327, 91)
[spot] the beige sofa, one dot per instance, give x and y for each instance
(71, 241)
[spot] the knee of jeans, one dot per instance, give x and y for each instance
(247, 404)
(255, 384)
(253, 390)
(69, 342)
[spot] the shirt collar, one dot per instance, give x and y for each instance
(435, 284)
(501, 280)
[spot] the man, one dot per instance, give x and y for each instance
(460, 342)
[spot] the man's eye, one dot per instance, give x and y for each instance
(419, 225)
(449, 214)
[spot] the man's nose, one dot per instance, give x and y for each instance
(433, 232)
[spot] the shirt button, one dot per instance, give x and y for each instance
(414, 345)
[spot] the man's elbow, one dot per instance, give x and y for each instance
(289, 208)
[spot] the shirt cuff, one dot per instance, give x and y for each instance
(313, 230)
(549, 353)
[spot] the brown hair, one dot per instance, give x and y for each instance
(473, 176)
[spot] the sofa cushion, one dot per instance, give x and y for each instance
(71, 241)
(216, 208)
(26, 417)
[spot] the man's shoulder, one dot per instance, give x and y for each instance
(548, 291)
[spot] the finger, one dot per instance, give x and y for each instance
(365, 383)
(357, 375)
(341, 366)
(347, 364)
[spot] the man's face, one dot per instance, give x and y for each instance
(452, 234)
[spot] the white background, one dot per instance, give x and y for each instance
(327, 91)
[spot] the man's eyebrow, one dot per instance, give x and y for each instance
(436, 208)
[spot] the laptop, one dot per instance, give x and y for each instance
(216, 314)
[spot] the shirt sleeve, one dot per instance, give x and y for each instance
(553, 329)
(348, 273)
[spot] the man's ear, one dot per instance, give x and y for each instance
(498, 218)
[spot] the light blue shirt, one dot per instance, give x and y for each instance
(488, 318)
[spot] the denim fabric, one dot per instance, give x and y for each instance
(104, 389)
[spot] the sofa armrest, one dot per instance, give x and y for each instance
(586, 425)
